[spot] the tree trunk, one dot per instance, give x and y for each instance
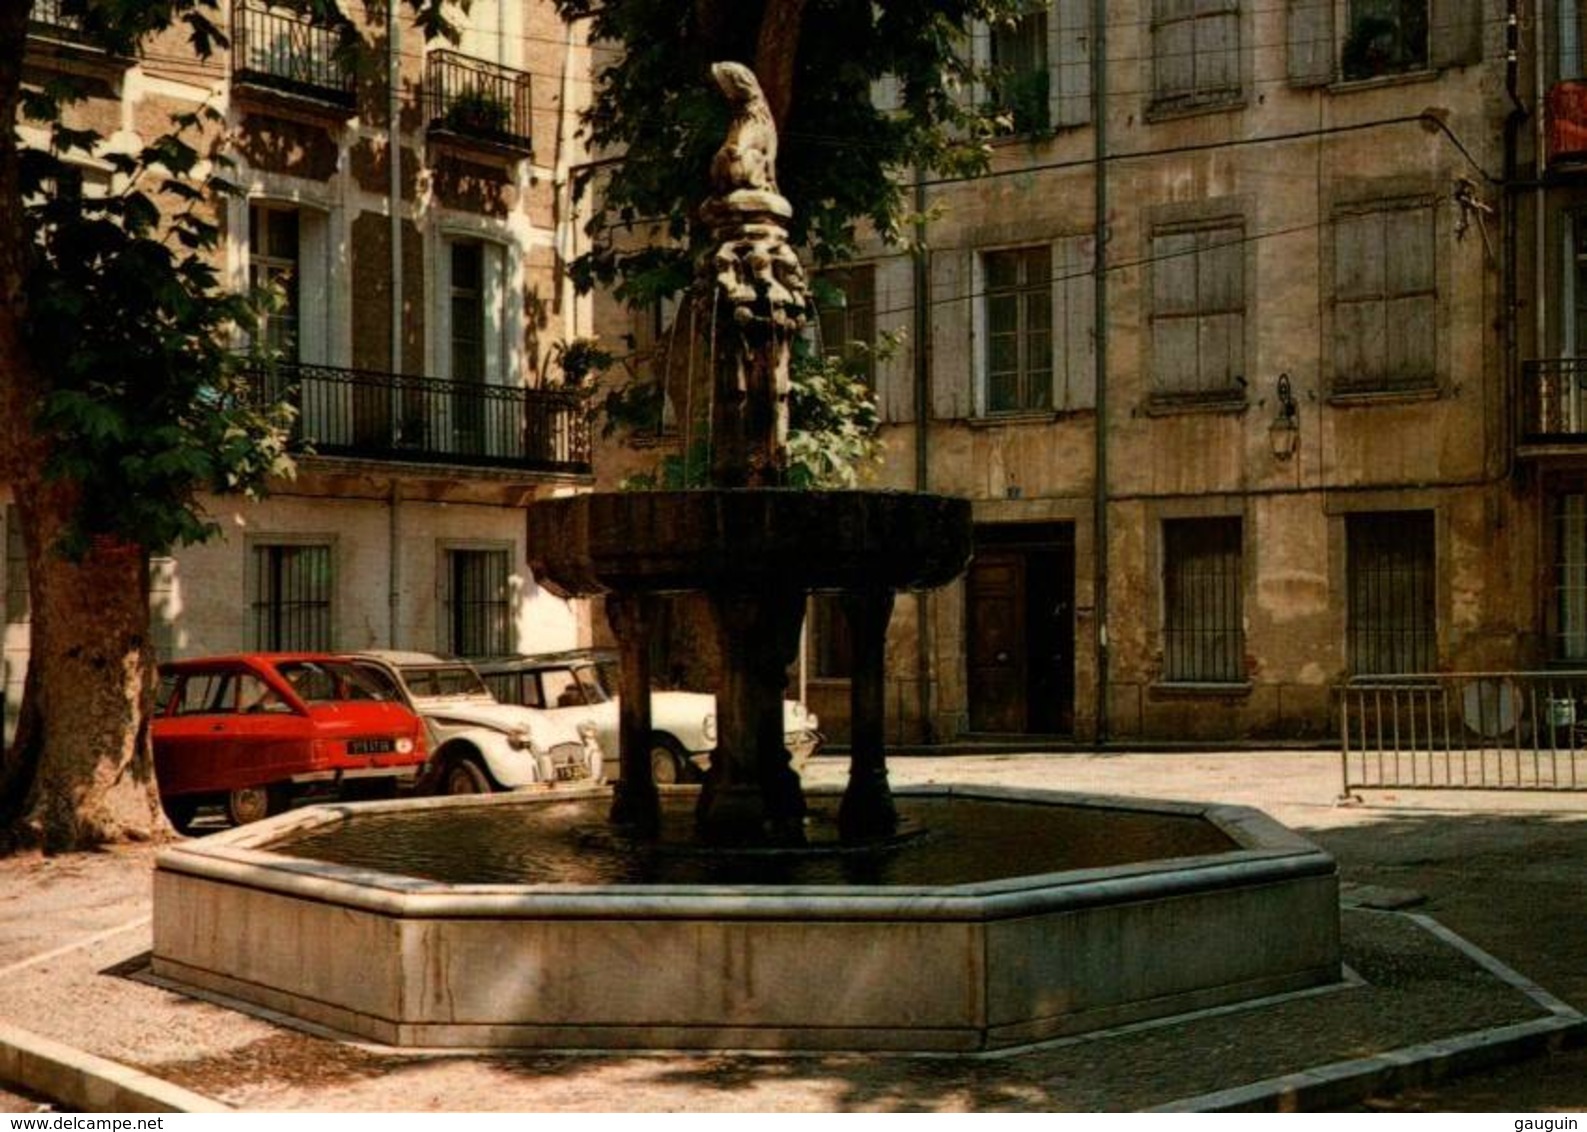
(84, 731)
(82, 772)
(776, 52)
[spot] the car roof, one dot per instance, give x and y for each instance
(402, 657)
(523, 662)
(246, 659)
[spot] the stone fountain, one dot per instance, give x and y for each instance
(755, 548)
(747, 914)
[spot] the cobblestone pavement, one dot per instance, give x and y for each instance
(1507, 872)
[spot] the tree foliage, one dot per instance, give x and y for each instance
(840, 156)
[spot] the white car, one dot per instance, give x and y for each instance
(478, 744)
(581, 686)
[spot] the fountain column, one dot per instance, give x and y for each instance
(635, 801)
(867, 812)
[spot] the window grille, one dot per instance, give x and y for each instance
(1203, 613)
(290, 603)
(1198, 311)
(1195, 53)
(476, 607)
(18, 606)
(1019, 329)
(1570, 577)
(1391, 627)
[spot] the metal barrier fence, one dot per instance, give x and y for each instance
(1465, 731)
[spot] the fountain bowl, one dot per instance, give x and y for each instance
(1247, 909)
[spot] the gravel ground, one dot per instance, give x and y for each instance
(1507, 872)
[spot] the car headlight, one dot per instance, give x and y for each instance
(708, 727)
(520, 739)
(404, 745)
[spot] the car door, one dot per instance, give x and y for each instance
(273, 739)
(563, 697)
(195, 741)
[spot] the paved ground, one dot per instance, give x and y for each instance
(1508, 872)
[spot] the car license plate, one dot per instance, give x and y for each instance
(370, 746)
(571, 771)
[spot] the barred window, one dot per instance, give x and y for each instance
(1021, 81)
(831, 647)
(1391, 612)
(1019, 345)
(475, 607)
(290, 598)
(1570, 577)
(1384, 37)
(1203, 614)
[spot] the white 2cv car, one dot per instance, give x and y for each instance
(477, 743)
(581, 686)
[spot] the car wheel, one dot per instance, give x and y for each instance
(180, 812)
(668, 764)
(464, 776)
(254, 803)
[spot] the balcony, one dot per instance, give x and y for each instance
(367, 415)
(477, 104)
(59, 43)
(48, 20)
(1554, 407)
(276, 54)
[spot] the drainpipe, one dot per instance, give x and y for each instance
(394, 187)
(927, 704)
(394, 209)
(393, 565)
(1510, 284)
(1539, 193)
(1099, 518)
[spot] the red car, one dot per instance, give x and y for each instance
(253, 732)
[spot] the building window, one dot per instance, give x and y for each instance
(1195, 53)
(1391, 626)
(1198, 311)
(1570, 577)
(830, 646)
(1018, 329)
(1384, 37)
(1385, 298)
(273, 242)
(1021, 81)
(1203, 614)
(475, 606)
(18, 608)
(290, 598)
(846, 306)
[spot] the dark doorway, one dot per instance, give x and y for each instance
(1020, 629)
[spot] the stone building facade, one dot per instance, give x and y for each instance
(1227, 351)
(424, 380)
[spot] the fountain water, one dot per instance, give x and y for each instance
(1027, 915)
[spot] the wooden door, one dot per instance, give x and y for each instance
(996, 652)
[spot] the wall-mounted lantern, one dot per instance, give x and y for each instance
(1284, 433)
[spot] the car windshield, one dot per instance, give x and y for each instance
(448, 680)
(322, 681)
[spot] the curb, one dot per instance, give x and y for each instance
(92, 1084)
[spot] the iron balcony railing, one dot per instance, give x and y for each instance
(1554, 401)
(476, 99)
(382, 416)
(1465, 731)
(286, 52)
(47, 18)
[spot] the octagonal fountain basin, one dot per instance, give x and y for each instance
(997, 918)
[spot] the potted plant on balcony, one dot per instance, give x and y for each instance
(474, 110)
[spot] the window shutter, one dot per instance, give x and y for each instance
(1311, 42)
(1456, 32)
(1074, 300)
(1070, 51)
(952, 347)
(493, 276)
(895, 376)
(313, 282)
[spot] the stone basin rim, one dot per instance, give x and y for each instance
(1266, 852)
